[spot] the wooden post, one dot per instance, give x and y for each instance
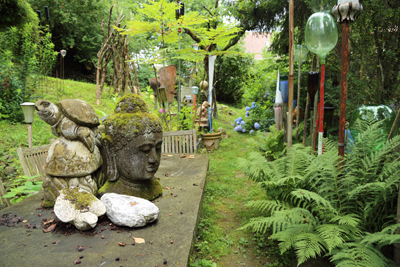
(298, 99)
(291, 73)
(343, 85)
(2, 193)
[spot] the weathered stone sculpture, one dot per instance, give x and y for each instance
(74, 159)
(78, 207)
(132, 149)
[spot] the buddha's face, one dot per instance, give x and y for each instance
(140, 158)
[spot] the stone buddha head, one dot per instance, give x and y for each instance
(132, 141)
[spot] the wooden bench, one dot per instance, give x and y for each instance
(179, 142)
(33, 159)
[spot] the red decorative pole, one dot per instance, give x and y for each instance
(345, 11)
(321, 110)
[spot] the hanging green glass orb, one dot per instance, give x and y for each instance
(321, 34)
(304, 52)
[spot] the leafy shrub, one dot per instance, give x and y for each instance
(328, 206)
(231, 79)
(22, 187)
(18, 68)
(272, 145)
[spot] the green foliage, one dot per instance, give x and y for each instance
(231, 78)
(186, 117)
(16, 13)
(75, 26)
(271, 145)
(327, 206)
(22, 187)
(144, 74)
(158, 19)
(261, 79)
(263, 114)
(17, 62)
(203, 263)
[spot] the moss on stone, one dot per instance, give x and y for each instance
(106, 138)
(148, 189)
(82, 200)
(132, 123)
(48, 203)
(131, 103)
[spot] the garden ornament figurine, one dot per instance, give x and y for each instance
(132, 149)
(74, 158)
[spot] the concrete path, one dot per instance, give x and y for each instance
(167, 241)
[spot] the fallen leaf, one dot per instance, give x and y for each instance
(121, 244)
(191, 157)
(170, 155)
(183, 156)
(139, 240)
(163, 154)
(48, 222)
(50, 228)
(134, 203)
(24, 221)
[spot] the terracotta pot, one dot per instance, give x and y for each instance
(210, 140)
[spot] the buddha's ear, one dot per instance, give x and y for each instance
(109, 163)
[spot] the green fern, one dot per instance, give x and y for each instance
(327, 205)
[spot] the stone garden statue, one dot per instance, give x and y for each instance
(74, 158)
(132, 149)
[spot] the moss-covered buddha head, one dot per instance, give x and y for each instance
(132, 141)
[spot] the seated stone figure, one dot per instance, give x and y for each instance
(74, 158)
(132, 149)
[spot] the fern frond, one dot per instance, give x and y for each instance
(349, 219)
(309, 245)
(387, 236)
(288, 238)
(358, 255)
(266, 205)
(314, 197)
(254, 166)
(334, 235)
(262, 224)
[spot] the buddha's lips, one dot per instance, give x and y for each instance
(151, 168)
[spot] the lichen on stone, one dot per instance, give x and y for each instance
(82, 200)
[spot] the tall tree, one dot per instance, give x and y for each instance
(75, 27)
(16, 13)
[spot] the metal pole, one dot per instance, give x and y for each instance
(343, 85)
(291, 73)
(30, 134)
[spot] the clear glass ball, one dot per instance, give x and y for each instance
(304, 52)
(321, 33)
